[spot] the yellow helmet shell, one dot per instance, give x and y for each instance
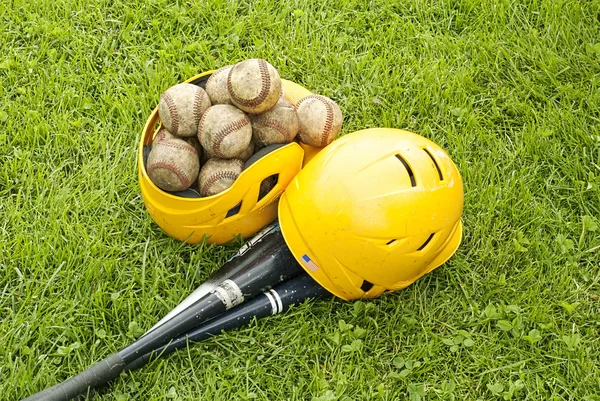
(236, 211)
(373, 212)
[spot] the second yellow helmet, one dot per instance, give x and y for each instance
(373, 212)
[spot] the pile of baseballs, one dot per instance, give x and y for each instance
(207, 134)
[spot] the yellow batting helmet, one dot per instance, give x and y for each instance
(373, 212)
(240, 210)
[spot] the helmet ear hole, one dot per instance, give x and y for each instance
(366, 286)
(234, 210)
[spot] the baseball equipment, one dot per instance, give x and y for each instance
(224, 131)
(216, 86)
(373, 212)
(173, 164)
(269, 268)
(248, 152)
(161, 135)
(217, 175)
(238, 211)
(231, 267)
(276, 125)
(181, 107)
(272, 302)
(192, 140)
(254, 86)
(320, 120)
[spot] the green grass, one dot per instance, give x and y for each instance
(510, 89)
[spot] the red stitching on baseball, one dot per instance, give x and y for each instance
(185, 181)
(328, 123)
(216, 177)
(220, 135)
(201, 123)
(161, 135)
(264, 91)
(275, 124)
(328, 119)
(182, 146)
(172, 112)
(198, 106)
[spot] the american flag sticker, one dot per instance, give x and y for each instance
(309, 263)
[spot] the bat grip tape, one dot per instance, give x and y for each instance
(97, 375)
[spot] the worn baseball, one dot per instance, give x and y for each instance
(247, 153)
(161, 135)
(320, 120)
(193, 140)
(276, 125)
(216, 86)
(173, 164)
(217, 175)
(254, 85)
(224, 131)
(181, 107)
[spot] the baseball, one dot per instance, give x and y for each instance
(161, 135)
(276, 125)
(173, 164)
(216, 86)
(224, 131)
(320, 120)
(181, 107)
(254, 85)
(217, 175)
(247, 153)
(192, 140)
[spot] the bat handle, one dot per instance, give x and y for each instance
(97, 375)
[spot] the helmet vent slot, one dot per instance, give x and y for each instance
(390, 242)
(234, 210)
(408, 170)
(267, 185)
(437, 167)
(426, 242)
(366, 286)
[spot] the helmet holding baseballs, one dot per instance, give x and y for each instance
(229, 195)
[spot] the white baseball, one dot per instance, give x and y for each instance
(181, 107)
(320, 120)
(224, 131)
(217, 175)
(216, 86)
(276, 125)
(173, 164)
(254, 85)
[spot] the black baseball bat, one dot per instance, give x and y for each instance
(231, 267)
(270, 266)
(272, 302)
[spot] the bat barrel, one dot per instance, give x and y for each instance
(272, 302)
(260, 244)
